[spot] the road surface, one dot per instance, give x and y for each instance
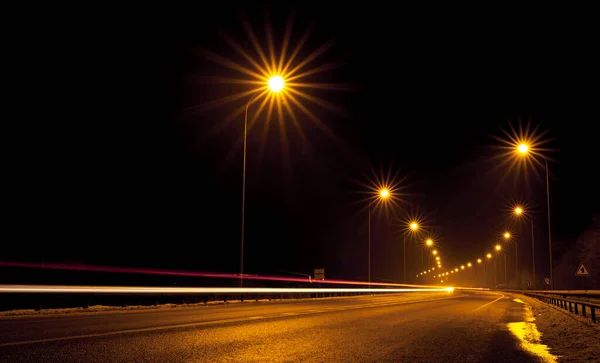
(427, 327)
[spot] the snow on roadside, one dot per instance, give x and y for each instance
(101, 308)
(570, 336)
(104, 308)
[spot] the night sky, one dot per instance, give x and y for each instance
(117, 160)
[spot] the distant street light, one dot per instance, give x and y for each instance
(520, 212)
(507, 236)
(382, 195)
(413, 227)
(488, 256)
(498, 249)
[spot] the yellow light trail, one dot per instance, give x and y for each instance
(36, 289)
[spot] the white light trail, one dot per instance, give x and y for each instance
(37, 289)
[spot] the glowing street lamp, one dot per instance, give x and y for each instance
(413, 227)
(383, 194)
(275, 84)
(498, 249)
(520, 212)
(525, 150)
(488, 256)
(507, 236)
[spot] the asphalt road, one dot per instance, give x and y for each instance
(428, 327)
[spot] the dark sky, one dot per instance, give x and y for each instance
(116, 161)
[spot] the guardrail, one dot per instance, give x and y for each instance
(560, 300)
(564, 293)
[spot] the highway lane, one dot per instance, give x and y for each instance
(440, 327)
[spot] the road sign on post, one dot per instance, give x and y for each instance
(319, 274)
(582, 271)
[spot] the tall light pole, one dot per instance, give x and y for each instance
(428, 243)
(507, 235)
(520, 212)
(469, 264)
(382, 195)
(414, 226)
(525, 150)
(479, 262)
(488, 256)
(498, 250)
(275, 84)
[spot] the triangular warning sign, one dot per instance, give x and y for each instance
(582, 270)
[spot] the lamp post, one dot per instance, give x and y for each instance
(488, 256)
(414, 226)
(275, 84)
(428, 243)
(382, 195)
(525, 150)
(507, 236)
(521, 213)
(479, 262)
(498, 249)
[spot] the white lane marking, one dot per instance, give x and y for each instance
(490, 303)
(205, 323)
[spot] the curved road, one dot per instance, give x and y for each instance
(421, 327)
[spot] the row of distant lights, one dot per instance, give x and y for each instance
(523, 149)
(385, 193)
(498, 248)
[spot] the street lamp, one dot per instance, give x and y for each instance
(413, 227)
(382, 195)
(498, 249)
(507, 236)
(525, 150)
(275, 84)
(488, 256)
(428, 243)
(520, 212)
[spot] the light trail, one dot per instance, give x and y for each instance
(63, 289)
(147, 271)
